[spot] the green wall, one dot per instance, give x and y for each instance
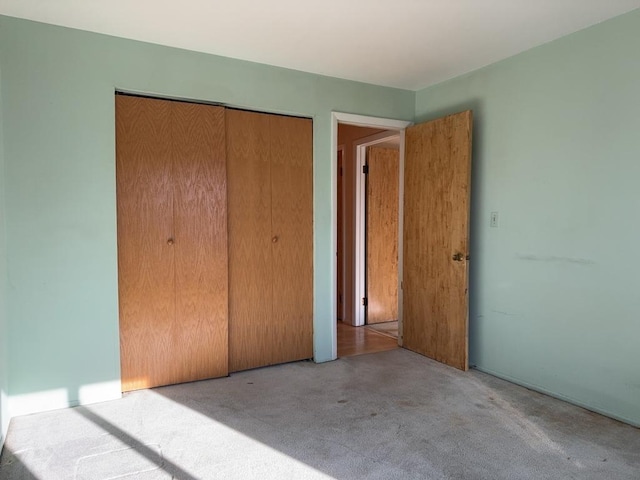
(554, 301)
(58, 86)
(556, 148)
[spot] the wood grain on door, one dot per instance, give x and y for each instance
(270, 239)
(382, 234)
(171, 214)
(436, 238)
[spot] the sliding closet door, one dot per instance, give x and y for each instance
(292, 219)
(270, 239)
(200, 333)
(250, 270)
(172, 242)
(145, 221)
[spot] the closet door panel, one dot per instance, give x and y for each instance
(199, 337)
(292, 231)
(251, 341)
(146, 285)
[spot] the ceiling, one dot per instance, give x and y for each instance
(400, 43)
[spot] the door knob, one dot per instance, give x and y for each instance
(274, 239)
(170, 241)
(458, 257)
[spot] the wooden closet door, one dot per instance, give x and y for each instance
(250, 263)
(270, 239)
(146, 284)
(382, 234)
(291, 329)
(171, 196)
(199, 334)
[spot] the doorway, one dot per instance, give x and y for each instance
(433, 198)
(366, 297)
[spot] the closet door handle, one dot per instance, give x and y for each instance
(170, 242)
(274, 239)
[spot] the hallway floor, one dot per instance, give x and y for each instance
(389, 329)
(389, 415)
(361, 340)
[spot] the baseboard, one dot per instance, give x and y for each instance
(559, 396)
(55, 399)
(4, 424)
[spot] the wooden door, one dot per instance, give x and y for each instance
(382, 234)
(146, 263)
(340, 242)
(270, 239)
(291, 332)
(250, 272)
(436, 238)
(200, 334)
(171, 214)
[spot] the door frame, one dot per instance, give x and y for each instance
(360, 230)
(371, 122)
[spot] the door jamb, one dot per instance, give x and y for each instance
(372, 122)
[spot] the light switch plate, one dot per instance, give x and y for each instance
(494, 219)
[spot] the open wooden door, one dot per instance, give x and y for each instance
(340, 243)
(437, 181)
(382, 234)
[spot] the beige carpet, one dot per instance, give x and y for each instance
(383, 416)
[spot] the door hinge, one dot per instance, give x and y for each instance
(365, 169)
(365, 301)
